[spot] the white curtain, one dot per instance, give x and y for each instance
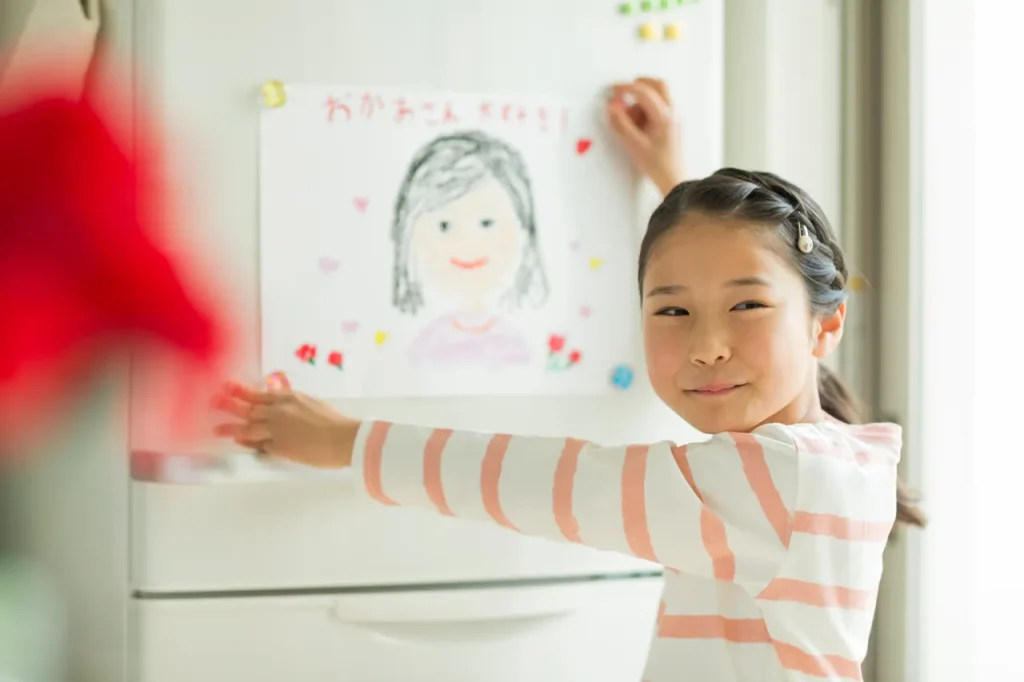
(970, 194)
(998, 415)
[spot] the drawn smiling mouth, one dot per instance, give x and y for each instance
(468, 264)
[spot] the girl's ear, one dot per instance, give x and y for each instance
(828, 332)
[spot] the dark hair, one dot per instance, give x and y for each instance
(781, 206)
(446, 169)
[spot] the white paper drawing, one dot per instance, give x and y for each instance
(432, 243)
(465, 231)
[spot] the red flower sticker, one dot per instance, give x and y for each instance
(558, 359)
(306, 353)
(335, 359)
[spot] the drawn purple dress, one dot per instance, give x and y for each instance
(460, 340)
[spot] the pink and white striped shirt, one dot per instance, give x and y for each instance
(772, 540)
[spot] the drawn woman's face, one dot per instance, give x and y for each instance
(469, 250)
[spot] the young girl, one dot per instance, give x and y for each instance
(464, 230)
(771, 531)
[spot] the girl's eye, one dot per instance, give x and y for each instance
(673, 312)
(486, 222)
(444, 225)
(749, 305)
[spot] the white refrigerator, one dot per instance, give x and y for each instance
(250, 573)
(260, 575)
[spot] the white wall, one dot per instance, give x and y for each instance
(783, 92)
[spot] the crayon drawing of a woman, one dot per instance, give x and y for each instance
(465, 238)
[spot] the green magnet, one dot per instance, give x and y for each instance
(625, 8)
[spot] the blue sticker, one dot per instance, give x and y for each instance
(622, 376)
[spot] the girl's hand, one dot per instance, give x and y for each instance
(289, 425)
(642, 117)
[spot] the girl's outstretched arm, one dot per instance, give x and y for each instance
(725, 509)
(720, 509)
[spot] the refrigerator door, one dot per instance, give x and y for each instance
(204, 80)
(320, 533)
(592, 631)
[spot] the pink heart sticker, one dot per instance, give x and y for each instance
(586, 311)
(583, 146)
(328, 265)
(350, 327)
(361, 203)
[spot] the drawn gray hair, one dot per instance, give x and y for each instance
(446, 169)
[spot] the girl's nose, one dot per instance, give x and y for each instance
(709, 347)
(710, 358)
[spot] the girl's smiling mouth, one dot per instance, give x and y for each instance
(469, 264)
(714, 390)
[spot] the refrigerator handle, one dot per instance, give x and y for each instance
(427, 633)
(456, 615)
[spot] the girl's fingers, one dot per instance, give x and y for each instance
(659, 86)
(653, 105)
(252, 445)
(250, 433)
(232, 406)
(251, 412)
(255, 396)
(650, 85)
(624, 124)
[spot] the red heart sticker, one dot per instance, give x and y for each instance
(583, 145)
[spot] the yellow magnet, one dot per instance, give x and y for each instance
(648, 31)
(673, 32)
(596, 263)
(273, 94)
(380, 337)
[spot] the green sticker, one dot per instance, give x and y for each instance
(647, 5)
(625, 8)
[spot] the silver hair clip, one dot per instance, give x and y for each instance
(805, 243)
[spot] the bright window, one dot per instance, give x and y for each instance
(998, 236)
(970, 170)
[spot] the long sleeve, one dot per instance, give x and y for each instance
(642, 500)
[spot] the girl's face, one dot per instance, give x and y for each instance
(728, 334)
(469, 250)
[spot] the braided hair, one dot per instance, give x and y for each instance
(790, 213)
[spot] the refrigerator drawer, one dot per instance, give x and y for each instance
(589, 631)
(295, 534)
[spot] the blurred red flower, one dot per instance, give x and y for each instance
(83, 274)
